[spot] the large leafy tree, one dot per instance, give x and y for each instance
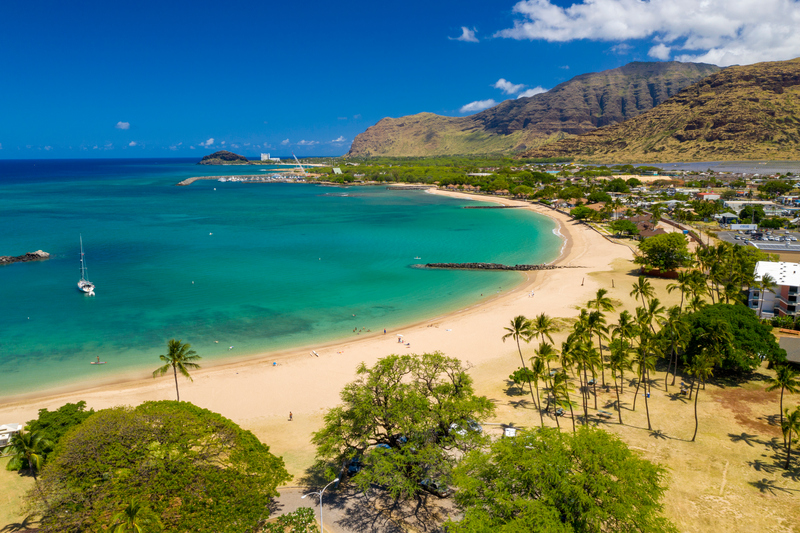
(55, 424)
(665, 252)
(404, 417)
(195, 470)
(751, 340)
(547, 481)
(180, 358)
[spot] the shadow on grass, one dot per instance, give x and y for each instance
(746, 438)
(678, 397)
(738, 380)
(768, 486)
(28, 524)
(378, 511)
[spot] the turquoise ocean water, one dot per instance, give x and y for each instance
(259, 267)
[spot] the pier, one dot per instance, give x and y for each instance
(256, 178)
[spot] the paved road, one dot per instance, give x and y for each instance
(350, 511)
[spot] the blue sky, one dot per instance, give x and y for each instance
(183, 79)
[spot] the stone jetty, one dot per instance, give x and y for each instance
(38, 255)
(492, 266)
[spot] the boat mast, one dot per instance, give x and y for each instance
(83, 264)
(298, 163)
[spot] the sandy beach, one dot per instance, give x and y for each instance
(258, 394)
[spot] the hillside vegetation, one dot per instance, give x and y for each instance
(748, 112)
(574, 107)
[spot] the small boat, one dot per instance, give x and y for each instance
(84, 285)
(97, 362)
(417, 257)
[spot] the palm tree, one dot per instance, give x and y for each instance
(561, 390)
(135, 518)
(683, 285)
(596, 324)
(785, 379)
(546, 353)
(601, 302)
(543, 326)
(702, 368)
(789, 424)
(520, 328)
(28, 448)
(180, 357)
(645, 362)
(643, 289)
(677, 332)
(766, 283)
(619, 361)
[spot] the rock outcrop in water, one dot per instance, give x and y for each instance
(224, 157)
(492, 266)
(38, 255)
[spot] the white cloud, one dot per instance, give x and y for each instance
(467, 35)
(1, 146)
(48, 148)
(478, 105)
(132, 143)
(621, 49)
(192, 148)
(724, 32)
(531, 92)
(208, 143)
(223, 142)
(123, 125)
(507, 87)
(307, 143)
(285, 142)
(338, 140)
(660, 51)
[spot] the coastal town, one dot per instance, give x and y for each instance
(662, 250)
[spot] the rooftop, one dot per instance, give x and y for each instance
(783, 273)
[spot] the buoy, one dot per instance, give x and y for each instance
(211, 234)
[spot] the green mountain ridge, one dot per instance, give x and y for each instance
(574, 107)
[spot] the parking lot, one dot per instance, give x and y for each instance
(769, 241)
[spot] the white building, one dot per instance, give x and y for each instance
(266, 157)
(7, 431)
(782, 300)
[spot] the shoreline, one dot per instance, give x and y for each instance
(266, 390)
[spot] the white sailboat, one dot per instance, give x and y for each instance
(84, 285)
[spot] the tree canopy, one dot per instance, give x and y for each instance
(548, 481)
(752, 340)
(196, 470)
(55, 424)
(402, 419)
(666, 252)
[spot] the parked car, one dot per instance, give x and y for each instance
(461, 428)
(435, 488)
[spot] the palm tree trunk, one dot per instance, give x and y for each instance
(175, 371)
(541, 418)
(788, 451)
(522, 359)
(781, 407)
(696, 395)
(646, 405)
(602, 367)
(594, 388)
(636, 394)
(585, 391)
(571, 412)
(619, 405)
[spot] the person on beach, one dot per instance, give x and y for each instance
(290, 416)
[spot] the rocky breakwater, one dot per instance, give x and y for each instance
(492, 266)
(38, 255)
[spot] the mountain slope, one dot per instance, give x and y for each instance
(749, 112)
(574, 107)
